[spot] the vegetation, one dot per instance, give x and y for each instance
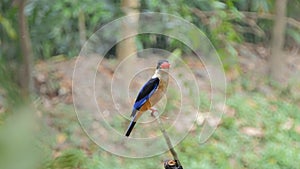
(261, 125)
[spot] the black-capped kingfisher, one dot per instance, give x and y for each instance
(150, 93)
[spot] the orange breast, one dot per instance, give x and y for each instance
(146, 106)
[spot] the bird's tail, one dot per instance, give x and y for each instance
(130, 127)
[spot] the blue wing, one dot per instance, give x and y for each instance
(145, 93)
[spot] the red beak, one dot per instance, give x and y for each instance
(165, 65)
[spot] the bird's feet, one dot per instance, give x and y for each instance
(153, 111)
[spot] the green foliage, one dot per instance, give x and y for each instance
(223, 33)
(11, 91)
(294, 34)
(17, 141)
(7, 27)
(229, 146)
(69, 159)
(220, 29)
(54, 26)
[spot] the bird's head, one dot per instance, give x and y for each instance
(163, 64)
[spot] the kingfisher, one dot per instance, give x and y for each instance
(150, 93)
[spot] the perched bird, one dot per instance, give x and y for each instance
(150, 93)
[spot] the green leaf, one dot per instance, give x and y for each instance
(8, 28)
(295, 34)
(218, 5)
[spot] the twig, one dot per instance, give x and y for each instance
(168, 140)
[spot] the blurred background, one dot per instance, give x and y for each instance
(258, 42)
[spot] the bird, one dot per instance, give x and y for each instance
(151, 92)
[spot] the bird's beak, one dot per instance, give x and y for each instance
(165, 65)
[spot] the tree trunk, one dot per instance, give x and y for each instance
(26, 80)
(277, 60)
(126, 49)
(81, 26)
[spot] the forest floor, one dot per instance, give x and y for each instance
(53, 78)
(260, 127)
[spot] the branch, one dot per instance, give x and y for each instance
(169, 163)
(204, 15)
(291, 21)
